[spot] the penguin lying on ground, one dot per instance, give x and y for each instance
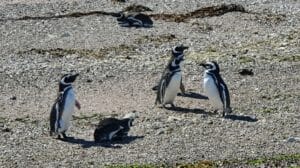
(134, 20)
(171, 79)
(63, 108)
(110, 129)
(215, 88)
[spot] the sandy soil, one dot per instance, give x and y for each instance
(118, 68)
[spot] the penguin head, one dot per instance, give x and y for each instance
(67, 80)
(178, 50)
(120, 16)
(130, 122)
(211, 66)
(129, 118)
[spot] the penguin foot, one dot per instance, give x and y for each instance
(224, 114)
(172, 105)
(62, 136)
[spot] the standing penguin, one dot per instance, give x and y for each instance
(63, 108)
(171, 80)
(110, 129)
(215, 88)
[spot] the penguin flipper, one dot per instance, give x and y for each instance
(182, 88)
(164, 82)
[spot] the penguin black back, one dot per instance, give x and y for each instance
(112, 128)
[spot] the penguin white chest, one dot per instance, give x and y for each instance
(173, 88)
(68, 110)
(212, 92)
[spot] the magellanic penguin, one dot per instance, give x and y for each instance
(63, 108)
(215, 87)
(171, 80)
(134, 20)
(110, 129)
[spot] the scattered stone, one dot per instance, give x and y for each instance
(245, 71)
(136, 8)
(118, 1)
(159, 132)
(173, 118)
(6, 130)
(13, 98)
(66, 34)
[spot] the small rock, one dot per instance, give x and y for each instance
(13, 98)
(89, 81)
(245, 71)
(6, 130)
(245, 51)
(66, 35)
(159, 132)
(172, 118)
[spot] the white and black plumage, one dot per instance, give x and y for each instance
(110, 129)
(134, 20)
(171, 80)
(215, 87)
(63, 108)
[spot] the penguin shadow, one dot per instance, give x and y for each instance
(108, 144)
(193, 95)
(127, 140)
(189, 110)
(241, 118)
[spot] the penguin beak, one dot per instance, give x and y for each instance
(73, 77)
(185, 48)
(204, 65)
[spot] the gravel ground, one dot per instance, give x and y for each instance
(119, 66)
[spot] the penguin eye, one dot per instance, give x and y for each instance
(207, 66)
(131, 123)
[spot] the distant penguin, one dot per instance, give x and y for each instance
(215, 88)
(63, 108)
(134, 20)
(171, 80)
(110, 129)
